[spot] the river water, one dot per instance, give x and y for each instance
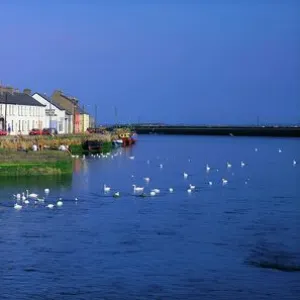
(240, 240)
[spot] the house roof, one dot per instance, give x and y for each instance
(50, 101)
(19, 99)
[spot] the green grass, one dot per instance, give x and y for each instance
(18, 163)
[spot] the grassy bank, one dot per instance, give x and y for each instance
(26, 142)
(48, 162)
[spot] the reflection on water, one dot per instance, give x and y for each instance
(36, 182)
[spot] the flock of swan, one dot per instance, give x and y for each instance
(26, 198)
(139, 190)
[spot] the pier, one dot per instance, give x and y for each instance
(267, 131)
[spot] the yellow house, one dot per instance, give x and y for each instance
(84, 121)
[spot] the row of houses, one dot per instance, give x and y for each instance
(20, 112)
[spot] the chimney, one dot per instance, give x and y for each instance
(27, 92)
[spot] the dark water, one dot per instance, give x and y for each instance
(239, 241)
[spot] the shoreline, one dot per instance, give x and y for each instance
(44, 155)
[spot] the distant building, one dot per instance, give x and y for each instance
(19, 112)
(70, 104)
(55, 115)
(84, 120)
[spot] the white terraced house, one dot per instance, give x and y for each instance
(55, 115)
(20, 111)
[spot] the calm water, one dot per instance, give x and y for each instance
(210, 244)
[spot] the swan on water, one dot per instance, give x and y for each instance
(17, 206)
(106, 188)
(224, 181)
(137, 189)
(32, 195)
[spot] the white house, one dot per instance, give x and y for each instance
(20, 112)
(55, 116)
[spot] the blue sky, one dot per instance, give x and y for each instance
(170, 61)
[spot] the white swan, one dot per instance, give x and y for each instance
(229, 165)
(189, 190)
(207, 168)
(161, 166)
(210, 183)
(137, 189)
(59, 202)
(192, 187)
(17, 206)
(50, 205)
(224, 181)
(18, 196)
(156, 191)
(147, 179)
(26, 201)
(242, 164)
(32, 195)
(47, 191)
(131, 157)
(294, 162)
(171, 190)
(106, 188)
(279, 150)
(117, 194)
(152, 193)
(185, 175)
(23, 196)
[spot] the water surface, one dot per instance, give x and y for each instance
(238, 241)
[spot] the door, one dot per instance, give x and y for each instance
(53, 124)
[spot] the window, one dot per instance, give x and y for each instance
(0, 109)
(12, 125)
(32, 124)
(19, 127)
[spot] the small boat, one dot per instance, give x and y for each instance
(118, 142)
(127, 138)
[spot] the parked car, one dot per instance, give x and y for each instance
(35, 131)
(3, 132)
(50, 131)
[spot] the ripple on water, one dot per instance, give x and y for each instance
(273, 256)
